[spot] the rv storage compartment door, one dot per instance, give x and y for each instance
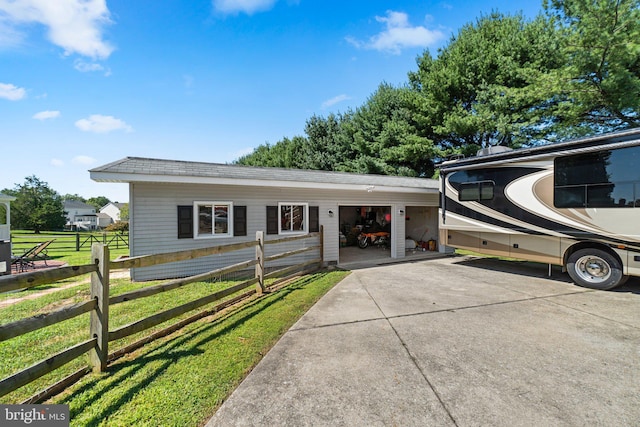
(544, 249)
(463, 239)
(494, 244)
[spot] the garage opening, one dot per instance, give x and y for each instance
(421, 228)
(365, 233)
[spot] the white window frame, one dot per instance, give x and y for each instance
(213, 235)
(305, 222)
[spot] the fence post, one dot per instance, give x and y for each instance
(77, 242)
(99, 323)
(260, 264)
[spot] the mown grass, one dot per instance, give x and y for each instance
(63, 247)
(65, 253)
(177, 380)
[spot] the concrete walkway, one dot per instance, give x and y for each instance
(454, 341)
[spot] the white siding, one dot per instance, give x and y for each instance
(153, 225)
(112, 210)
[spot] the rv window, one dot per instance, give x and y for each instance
(474, 191)
(608, 178)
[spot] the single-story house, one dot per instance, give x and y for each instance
(181, 205)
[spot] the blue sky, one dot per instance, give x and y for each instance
(87, 82)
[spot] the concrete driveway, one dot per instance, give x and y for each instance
(452, 341)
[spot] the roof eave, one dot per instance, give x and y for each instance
(184, 179)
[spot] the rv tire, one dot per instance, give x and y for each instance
(595, 269)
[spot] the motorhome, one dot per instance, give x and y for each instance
(575, 204)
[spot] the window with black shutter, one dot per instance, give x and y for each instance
(239, 220)
(185, 222)
(314, 219)
(272, 220)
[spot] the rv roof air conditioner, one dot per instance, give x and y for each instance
(493, 149)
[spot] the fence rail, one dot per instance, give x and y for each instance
(98, 305)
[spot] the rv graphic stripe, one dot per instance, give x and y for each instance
(524, 221)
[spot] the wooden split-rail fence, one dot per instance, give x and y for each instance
(99, 335)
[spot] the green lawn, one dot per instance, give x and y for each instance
(63, 247)
(178, 380)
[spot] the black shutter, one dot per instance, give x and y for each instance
(239, 220)
(314, 219)
(272, 220)
(185, 222)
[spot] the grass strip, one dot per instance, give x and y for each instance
(180, 379)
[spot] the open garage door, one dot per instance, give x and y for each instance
(372, 220)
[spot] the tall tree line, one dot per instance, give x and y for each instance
(502, 80)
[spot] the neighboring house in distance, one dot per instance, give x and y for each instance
(110, 213)
(80, 216)
(180, 205)
(104, 220)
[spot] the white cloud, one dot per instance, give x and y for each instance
(85, 67)
(247, 6)
(102, 124)
(44, 115)
(83, 160)
(57, 163)
(11, 92)
(74, 25)
(333, 101)
(398, 35)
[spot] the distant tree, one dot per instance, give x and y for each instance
(124, 212)
(98, 202)
(74, 197)
(37, 207)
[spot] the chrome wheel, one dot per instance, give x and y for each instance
(593, 269)
(596, 269)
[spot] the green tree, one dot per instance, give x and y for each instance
(37, 207)
(98, 202)
(389, 136)
(598, 89)
(124, 212)
(484, 87)
(327, 146)
(75, 197)
(501, 80)
(284, 154)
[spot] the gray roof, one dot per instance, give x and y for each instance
(76, 204)
(131, 169)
